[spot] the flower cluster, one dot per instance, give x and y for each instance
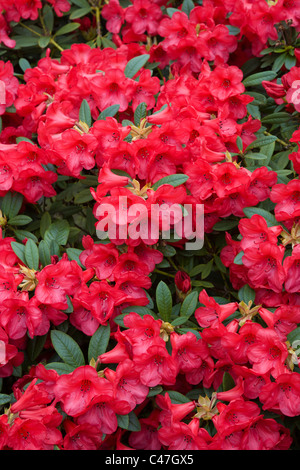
(140, 126)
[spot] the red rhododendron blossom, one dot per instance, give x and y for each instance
(77, 390)
(149, 225)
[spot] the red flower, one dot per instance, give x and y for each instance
(77, 391)
(268, 353)
(265, 266)
(226, 82)
(156, 366)
(235, 416)
(282, 395)
(212, 313)
(143, 16)
(81, 436)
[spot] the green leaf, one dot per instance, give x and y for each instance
(83, 196)
(238, 258)
(108, 43)
(44, 41)
(177, 398)
(187, 7)
(24, 64)
(15, 204)
(73, 254)
(269, 218)
(140, 113)
(60, 367)
(4, 399)
(6, 203)
(225, 224)
(67, 349)
(19, 250)
(171, 11)
(123, 421)
(262, 141)
(80, 12)
(35, 346)
(246, 294)
(67, 28)
(173, 180)
(133, 425)
(228, 382)
(48, 16)
(233, 30)
(44, 253)
(99, 342)
(21, 234)
(294, 335)
(20, 220)
(85, 113)
(257, 78)
(189, 304)
(256, 156)
(31, 253)
(277, 118)
(45, 223)
(58, 232)
(164, 301)
(153, 391)
(135, 64)
(111, 111)
(279, 61)
(80, 3)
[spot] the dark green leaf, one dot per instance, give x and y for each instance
(67, 28)
(135, 64)
(164, 301)
(246, 294)
(4, 399)
(67, 349)
(257, 78)
(80, 12)
(19, 250)
(269, 218)
(111, 111)
(58, 232)
(189, 304)
(187, 6)
(44, 253)
(85, 113)
(20, 220)
(98, 342)
(31, 253)
(173, 180)
(140, 113)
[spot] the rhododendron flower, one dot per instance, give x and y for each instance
(268, 353)
(156, 366)
(212, 313)
(235, 416)
(81, 436)
(185, 436)
(143, 16)
(265, 266)
(282, 394)
(77, 390)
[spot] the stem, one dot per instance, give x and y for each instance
(282, 142)
(30, 29)
(158, 271)
(56, 45)
(98, 25)
(41, 36)
(172, 263)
